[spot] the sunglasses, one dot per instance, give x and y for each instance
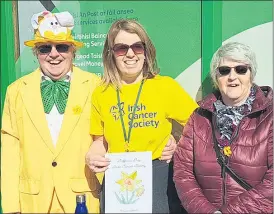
(45, 49)
(240, 69)
(122, 49)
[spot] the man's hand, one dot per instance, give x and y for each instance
(169, 150)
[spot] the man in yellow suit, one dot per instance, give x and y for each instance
(45, 127)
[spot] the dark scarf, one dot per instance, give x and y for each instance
(229, 117)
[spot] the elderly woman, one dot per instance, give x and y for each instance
(134, 107)
(235, 126)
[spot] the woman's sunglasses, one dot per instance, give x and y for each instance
(61, 48)
(240, 69)
(122, 49)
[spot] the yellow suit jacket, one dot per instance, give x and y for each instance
(31, 166)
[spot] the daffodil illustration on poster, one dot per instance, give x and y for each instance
(128, 183)
(131, 188)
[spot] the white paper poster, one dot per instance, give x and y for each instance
(128, 183)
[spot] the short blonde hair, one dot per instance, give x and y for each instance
(234, 51)
(111, 72)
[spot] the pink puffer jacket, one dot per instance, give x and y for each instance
(197, 175)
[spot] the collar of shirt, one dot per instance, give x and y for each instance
(66, 78)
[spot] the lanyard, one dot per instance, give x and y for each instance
(127, 137)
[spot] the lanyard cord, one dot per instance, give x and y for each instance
(127, 137)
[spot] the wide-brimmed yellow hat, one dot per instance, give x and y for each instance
(52, 27)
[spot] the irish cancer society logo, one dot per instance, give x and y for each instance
(114, 110)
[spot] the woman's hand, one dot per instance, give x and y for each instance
(95, 157)
(97, 163)
(169, 150)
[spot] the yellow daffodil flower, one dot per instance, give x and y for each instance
(128, 182)
(227, 151)
(77, 109)
(140, 191)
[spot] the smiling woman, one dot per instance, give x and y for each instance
(134, 107)
(233, 69)
(128, 54)
(236, 174)
(235, 82)
(130, 58)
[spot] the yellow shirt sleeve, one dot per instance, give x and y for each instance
(96, 121)
(180, 105)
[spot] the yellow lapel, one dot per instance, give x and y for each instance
(78, 94)
(31, 96)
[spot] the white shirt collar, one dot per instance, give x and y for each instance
(67, 77)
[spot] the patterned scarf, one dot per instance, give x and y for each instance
(229, 117)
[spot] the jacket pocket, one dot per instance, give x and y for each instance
(29, 186)
(83, 184)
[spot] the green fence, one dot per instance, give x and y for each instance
(7, 50)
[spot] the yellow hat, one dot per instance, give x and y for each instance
(52, 27)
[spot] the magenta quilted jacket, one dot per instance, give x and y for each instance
(197, 175)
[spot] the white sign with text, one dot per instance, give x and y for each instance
(128, 183)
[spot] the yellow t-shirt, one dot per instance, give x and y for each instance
(161, 100)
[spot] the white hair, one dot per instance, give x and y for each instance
(234, 51)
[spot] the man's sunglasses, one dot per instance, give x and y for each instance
(45, 49)
(122, 49)
(240, 69)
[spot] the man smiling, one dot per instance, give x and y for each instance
(45, 128)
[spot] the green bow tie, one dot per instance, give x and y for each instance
(55, 93)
